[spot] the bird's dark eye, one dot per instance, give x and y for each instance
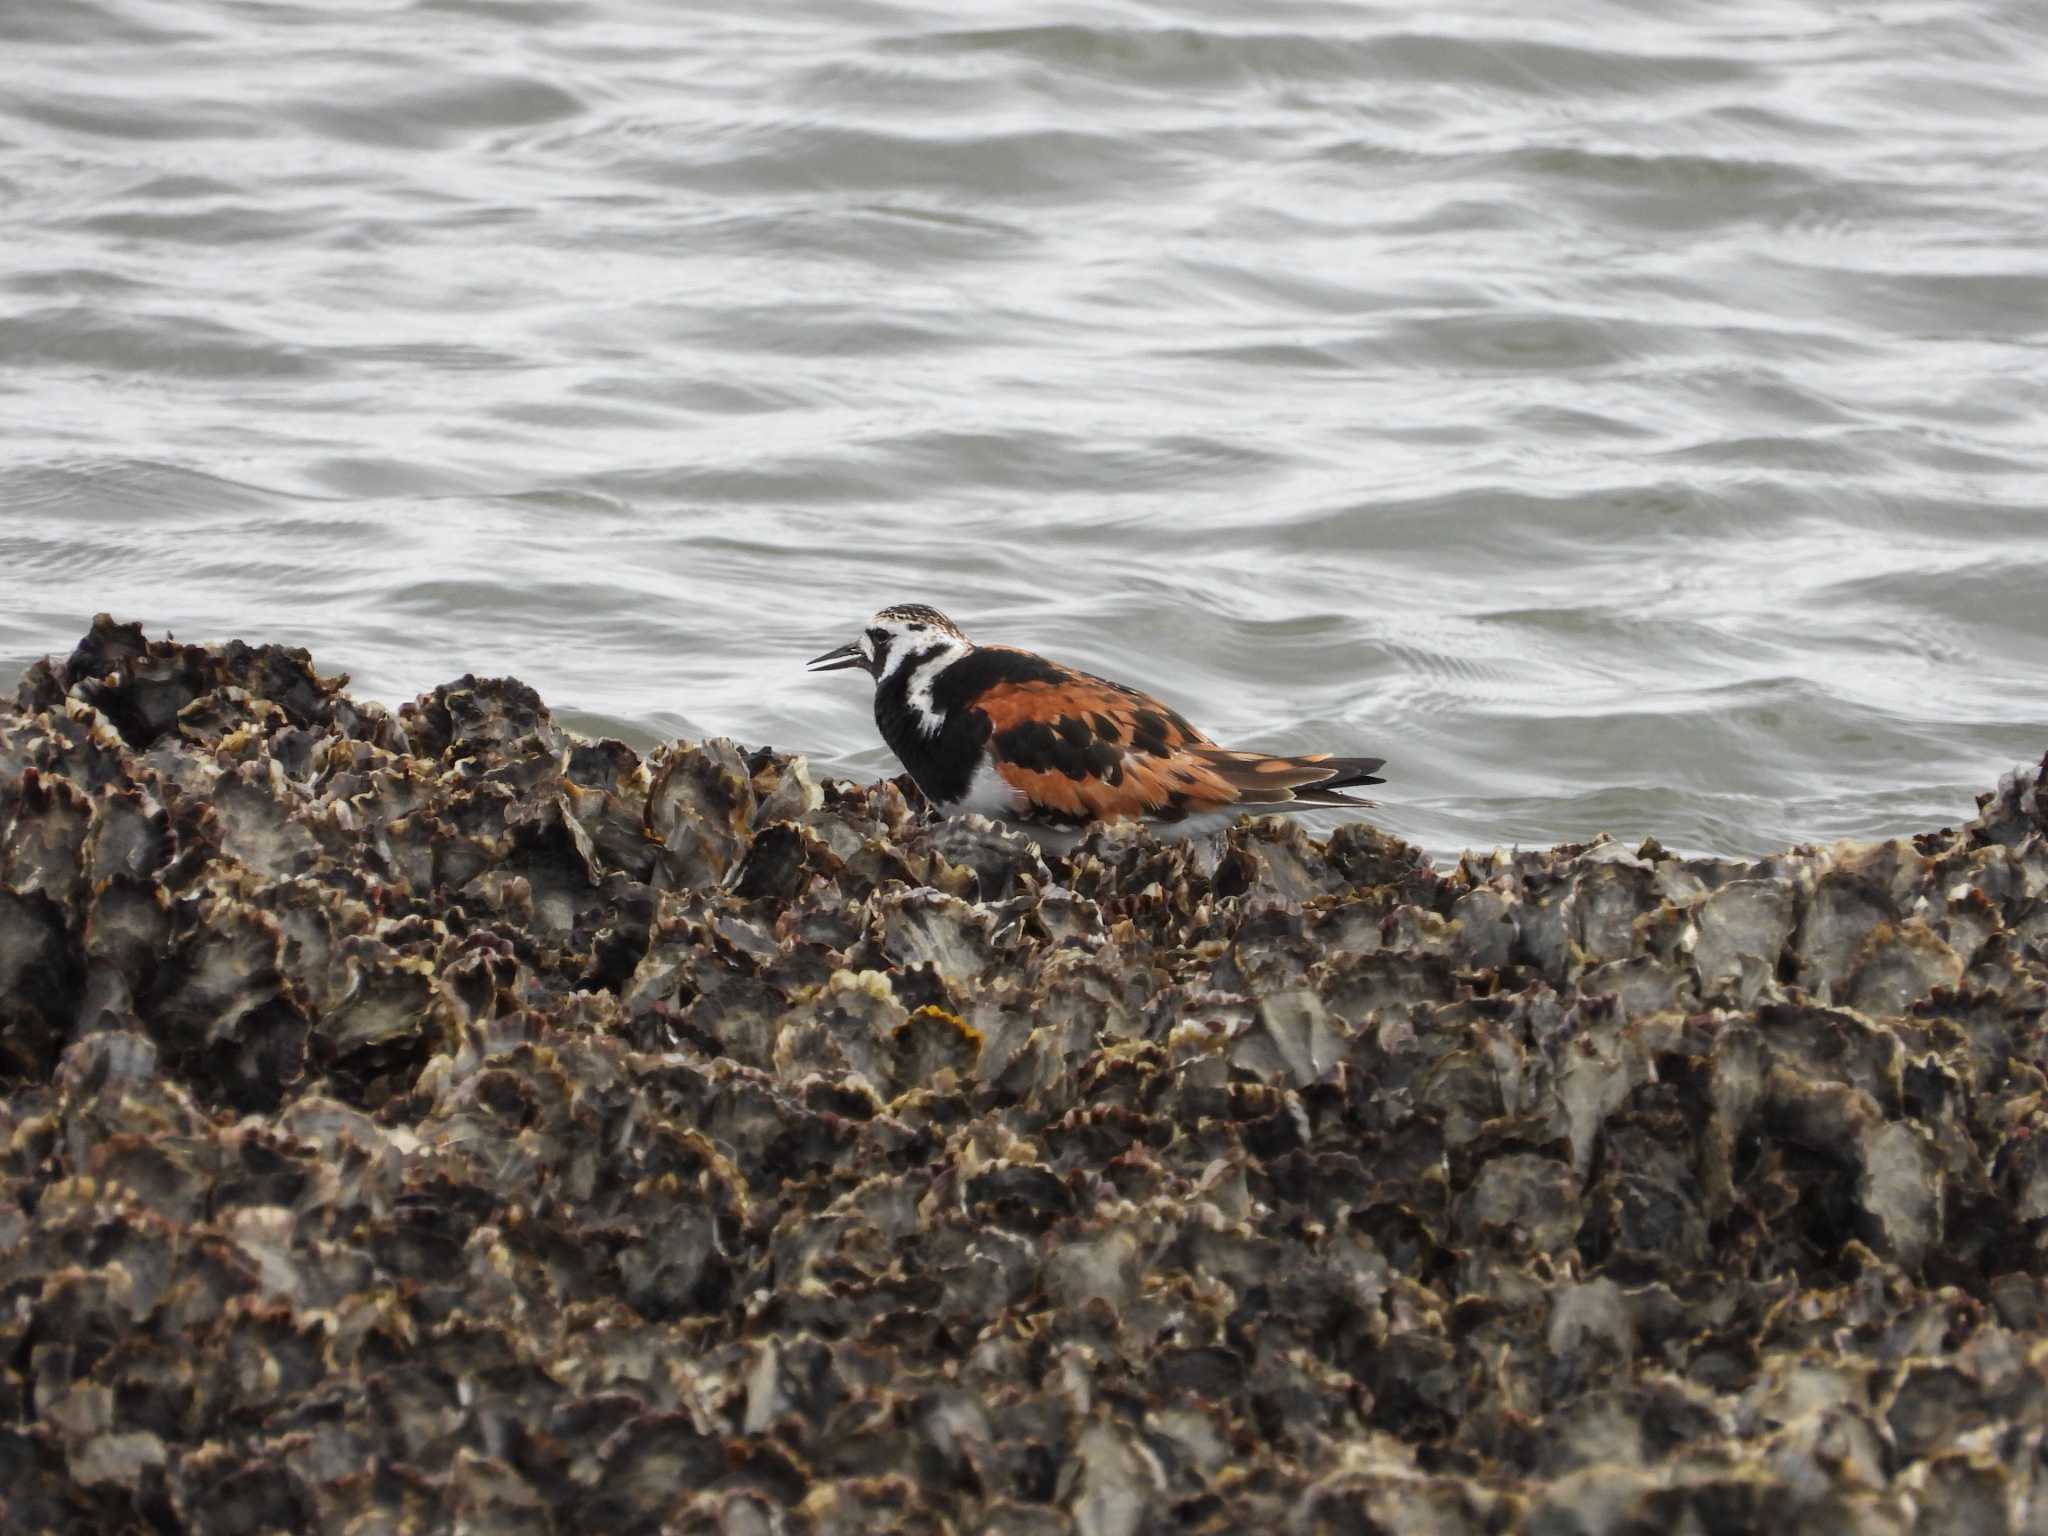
(878, 635)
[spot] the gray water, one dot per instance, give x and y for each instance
(1619, 416)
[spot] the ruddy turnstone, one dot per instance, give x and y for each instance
(998, 730)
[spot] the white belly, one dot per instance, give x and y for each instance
(987, 795)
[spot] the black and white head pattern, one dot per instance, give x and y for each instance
(909, 635)
(907, 647)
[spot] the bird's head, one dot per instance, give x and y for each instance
(893, 637)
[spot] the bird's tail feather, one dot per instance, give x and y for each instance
(1262, 778)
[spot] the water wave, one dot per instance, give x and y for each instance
(1616, 420)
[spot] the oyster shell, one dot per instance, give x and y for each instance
(432, 1120)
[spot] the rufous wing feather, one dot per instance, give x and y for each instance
(1082, 748)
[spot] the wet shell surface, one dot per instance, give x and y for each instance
(427, 1120)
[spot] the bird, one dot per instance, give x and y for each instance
(1023, 739)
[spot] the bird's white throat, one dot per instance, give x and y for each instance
(925, 664)
(929, 720)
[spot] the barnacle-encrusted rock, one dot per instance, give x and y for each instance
(433, 1121)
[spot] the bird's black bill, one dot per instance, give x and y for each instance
(848, 655)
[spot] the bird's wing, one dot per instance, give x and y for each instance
(1083, 748)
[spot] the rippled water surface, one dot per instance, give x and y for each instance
(1622, 416)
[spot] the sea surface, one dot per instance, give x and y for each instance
(1620, 416)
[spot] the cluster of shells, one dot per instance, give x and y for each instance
(430, 1121)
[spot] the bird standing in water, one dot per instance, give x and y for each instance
(1014, 736)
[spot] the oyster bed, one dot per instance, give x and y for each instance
(430, 1121)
